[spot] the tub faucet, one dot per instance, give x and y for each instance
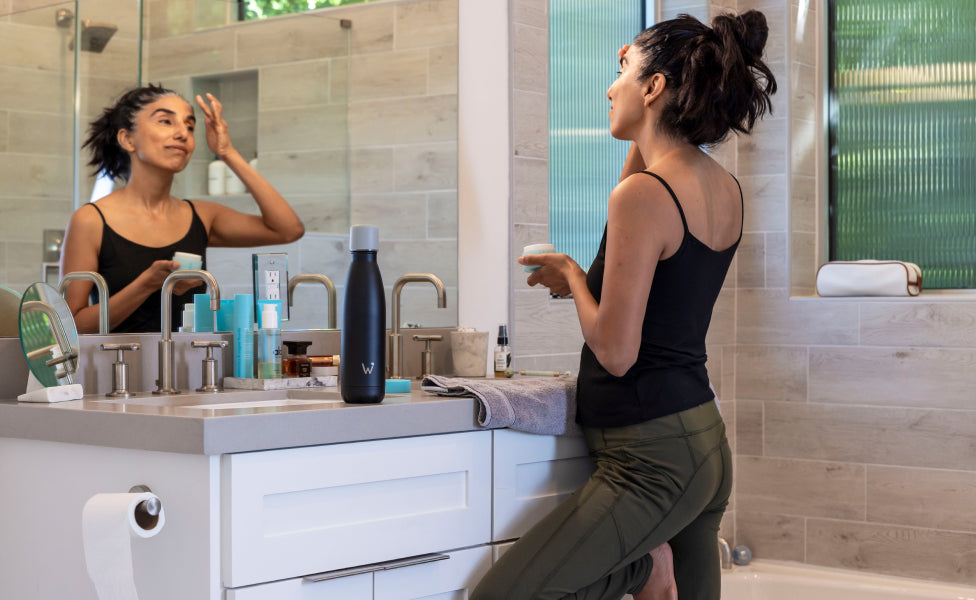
(102, 288)
(724, 553)
(315, 278)
(396, 344)
(165, 383)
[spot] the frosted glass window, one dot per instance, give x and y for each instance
(902, 113)
(584, 160)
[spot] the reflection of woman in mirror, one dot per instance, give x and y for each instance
(130, 237)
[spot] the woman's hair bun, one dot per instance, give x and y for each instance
(748, 31)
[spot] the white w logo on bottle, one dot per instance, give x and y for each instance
(369, 369)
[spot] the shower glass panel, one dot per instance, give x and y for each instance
(39, 109)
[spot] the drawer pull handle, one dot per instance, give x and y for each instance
(373, 568)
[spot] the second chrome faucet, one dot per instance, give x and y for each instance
(395, 365)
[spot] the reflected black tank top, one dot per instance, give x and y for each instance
(669, 375)
(121, 260)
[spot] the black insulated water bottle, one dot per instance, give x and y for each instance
(362, 368)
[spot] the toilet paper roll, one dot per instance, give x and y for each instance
(109, 523)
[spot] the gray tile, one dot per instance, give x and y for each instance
(770, 535)
(922, 497)
(531, 58)
(748, 428)
(918, 323)
(944, 439)
(919, 377)
(423, 24)
(770, 317)
(426, 167)
(801, 487)
(771, 373)
(903, 551)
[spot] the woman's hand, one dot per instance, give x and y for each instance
(556, 271)
(154, 277)
(623, 50)
(218, 136)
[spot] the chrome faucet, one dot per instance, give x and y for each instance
(315, 278)
(100, 284)
(724, 553)
(396, 344)
(165, 383)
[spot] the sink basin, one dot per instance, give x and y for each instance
(234, 402)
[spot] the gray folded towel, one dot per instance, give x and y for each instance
(545, 405)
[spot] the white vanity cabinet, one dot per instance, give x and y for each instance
(293, 512)
(303, 523)
(531, 475)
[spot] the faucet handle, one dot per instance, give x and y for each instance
(209, 365)
(120, 368)
(427, 356)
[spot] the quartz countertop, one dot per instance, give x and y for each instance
(234, 420)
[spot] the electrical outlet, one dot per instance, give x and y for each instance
(271, 279)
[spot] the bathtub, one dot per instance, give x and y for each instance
(774, 580)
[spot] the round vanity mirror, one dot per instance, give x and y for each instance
(9, 309)
(48, 335)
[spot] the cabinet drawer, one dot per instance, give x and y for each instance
(353, 587)
(443, 575)
(288, 513)
(532, 474)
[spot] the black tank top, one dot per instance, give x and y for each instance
(669, 375)
(121, 260)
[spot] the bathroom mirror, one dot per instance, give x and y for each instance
(48, 335)
(373, 105)
(9, 312)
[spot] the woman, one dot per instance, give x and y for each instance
(131, 235)
(646, 522)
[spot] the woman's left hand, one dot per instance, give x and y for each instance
(218, 136)
(555, 271)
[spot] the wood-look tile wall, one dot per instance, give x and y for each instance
(854, 421)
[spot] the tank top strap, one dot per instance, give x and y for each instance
(92, 204)
(684, 222)
(742, 207)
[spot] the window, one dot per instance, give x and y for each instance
(584, 160)
(260, 9)
(902, 126)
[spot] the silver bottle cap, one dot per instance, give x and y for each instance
(364, 237)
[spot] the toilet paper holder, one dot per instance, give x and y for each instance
(147, 511)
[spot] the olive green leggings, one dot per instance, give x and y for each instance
(666, 480)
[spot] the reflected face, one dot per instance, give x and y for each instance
(626, 96)
(163, 135)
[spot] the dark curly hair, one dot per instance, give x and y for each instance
(718, 79)
(107, 154)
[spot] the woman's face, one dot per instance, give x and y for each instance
(163, 135)
(626, 95)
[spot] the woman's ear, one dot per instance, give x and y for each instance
(125, 140)
(655, 88)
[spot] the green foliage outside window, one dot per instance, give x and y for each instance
(260, 9)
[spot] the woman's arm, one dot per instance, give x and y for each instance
(277, 224)
(641, 223)
(634, 162)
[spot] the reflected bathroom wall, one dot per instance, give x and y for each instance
(37, 84)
